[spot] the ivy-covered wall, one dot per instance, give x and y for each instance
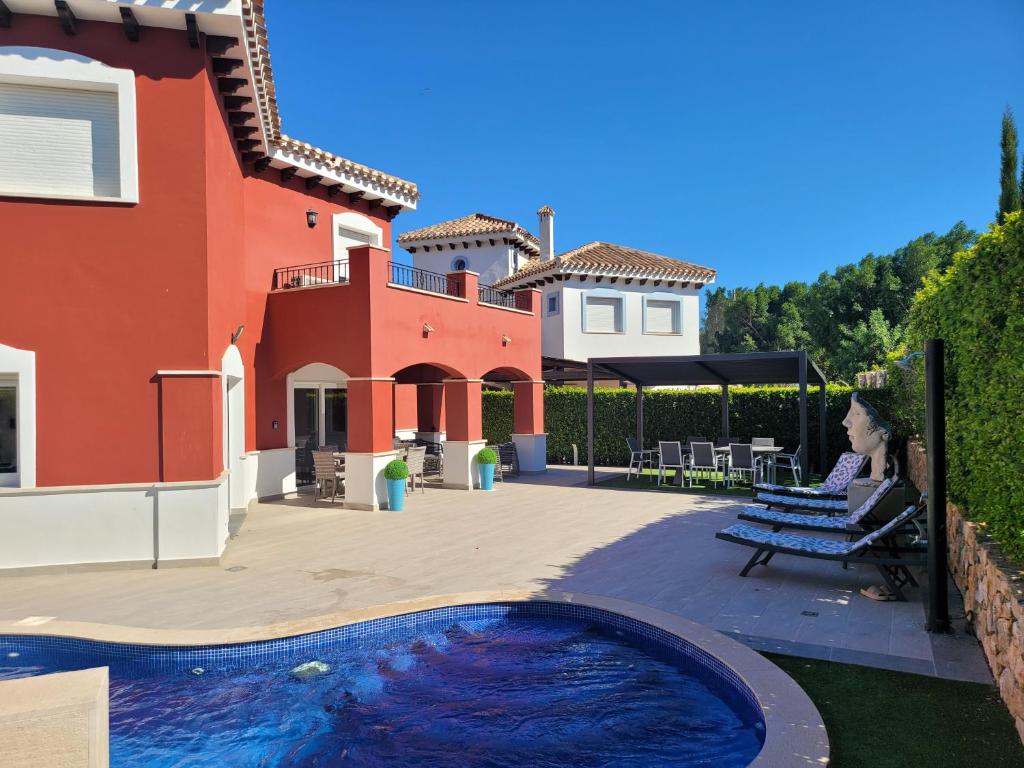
(977, 307)
(674, 414)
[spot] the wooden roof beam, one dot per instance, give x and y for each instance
(222, 66)
(237, 118)
(230, 84)
(247, 145)
(312, 181)
(232, 103)
(333, 190)
(353, 197)
(288, 173)
(68, 22)
(219, 44)
(130, 24)
(243, 131)
(262, 164)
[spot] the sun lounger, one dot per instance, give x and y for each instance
(879, 548)
(846, 470)
(841, 523)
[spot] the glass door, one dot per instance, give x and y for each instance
(307, 432)
(336, 418)
(8, 433)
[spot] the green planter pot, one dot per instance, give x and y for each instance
(486, 477)
(396, 495)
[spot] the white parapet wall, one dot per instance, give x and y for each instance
(58, 721)
(269, 474)
(143, 525)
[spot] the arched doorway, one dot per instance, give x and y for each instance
(525, 429)
(317, 414)
(233, 428)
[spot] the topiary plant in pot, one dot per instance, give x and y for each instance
(486, 459)
(396, 473)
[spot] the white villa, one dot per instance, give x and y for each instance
(599, 300)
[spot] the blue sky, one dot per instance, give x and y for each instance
(770, 140)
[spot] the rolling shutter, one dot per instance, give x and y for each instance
(58, 141)
(602, 314)
(661, 316)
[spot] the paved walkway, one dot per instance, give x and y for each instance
(292, 560)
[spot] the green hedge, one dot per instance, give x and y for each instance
(674, 414)
(977, 306)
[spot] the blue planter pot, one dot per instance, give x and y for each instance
(396, 495)
(486, 477)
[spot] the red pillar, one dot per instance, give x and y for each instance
(528, 407)
(190, 428)
(463, 409)
(370, 415)
(430, 407)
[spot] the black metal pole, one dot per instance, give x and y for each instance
(725, 411)
(805, 448)
(640, 415)
(935, 427)
(590, 423)
(822, 430)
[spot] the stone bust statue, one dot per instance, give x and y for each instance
(869, 434)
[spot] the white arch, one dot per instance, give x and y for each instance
(318, 376)
(233, 430)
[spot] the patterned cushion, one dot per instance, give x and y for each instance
(771, 517)
(791, 541)
(802, 491)
(871, 501)
(825, 505)
(843, 473)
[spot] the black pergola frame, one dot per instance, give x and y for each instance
(715, 370)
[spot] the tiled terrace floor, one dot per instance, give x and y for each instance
(292, 560)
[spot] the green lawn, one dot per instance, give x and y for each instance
(619, 481)
(881, 719)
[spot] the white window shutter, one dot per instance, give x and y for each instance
(662, 316)
(58, 141)
(602, 314)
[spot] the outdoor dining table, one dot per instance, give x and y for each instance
(764, 451)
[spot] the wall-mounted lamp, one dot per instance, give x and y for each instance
(275, 424)
(427, 329)
(237, 334)
(505, 340)
(311, 218)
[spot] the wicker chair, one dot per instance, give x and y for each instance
(416, 460)
(508, 460)
(326, 473)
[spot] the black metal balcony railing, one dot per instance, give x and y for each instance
(488, 294)
(322, 273)
(422, 280)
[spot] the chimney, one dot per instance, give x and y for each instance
(547, 233)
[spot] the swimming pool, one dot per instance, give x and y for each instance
(495, 684)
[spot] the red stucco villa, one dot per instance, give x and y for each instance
(189, 297)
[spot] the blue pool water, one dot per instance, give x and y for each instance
(493, 685)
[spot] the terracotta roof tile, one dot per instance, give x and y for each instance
(469, 226)
(610, 259)
(255, 24)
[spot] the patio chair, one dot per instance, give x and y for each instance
(790, 462)
(704, 459)
(863, 517)
(638, 458)
(415, 460)
(326, 473)
(741, 462)
(882, 548)
(670, 456)
(847, 469)
(690, 439)
(433, 462)
(508, 460)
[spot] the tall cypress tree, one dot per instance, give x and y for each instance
(1009, 188)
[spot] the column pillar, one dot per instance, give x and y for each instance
(370, 441)
(528, 426)
(465, 430)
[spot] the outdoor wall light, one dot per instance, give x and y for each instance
(505, 340)
(311, 218)
(427, 329)
(237, 334)
(275, 424)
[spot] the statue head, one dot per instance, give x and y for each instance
(869, 433)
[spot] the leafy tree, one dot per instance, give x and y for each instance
(848, 320)
(1009, 187)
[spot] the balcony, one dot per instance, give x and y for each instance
(404, 276)
(488, 294)
(306, 275)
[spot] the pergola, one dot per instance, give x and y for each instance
(721, 370)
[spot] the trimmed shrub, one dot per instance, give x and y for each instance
(396, 470)
(977, 307)
(486, 456)
(674, 414)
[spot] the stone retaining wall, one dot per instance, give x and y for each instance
(993, 590)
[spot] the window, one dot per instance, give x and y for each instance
(602, 314)
(459, 265)
(662, 316)
(67, 127)
(552, 303)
